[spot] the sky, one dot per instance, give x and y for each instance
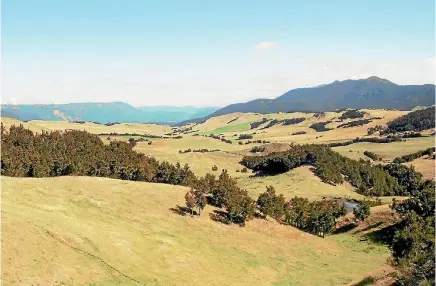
(206, 53)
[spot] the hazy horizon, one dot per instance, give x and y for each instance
(206, 54)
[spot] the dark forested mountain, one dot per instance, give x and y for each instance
(372, 92)
(104, 112)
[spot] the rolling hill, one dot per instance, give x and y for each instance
(372, 92)
(99, 231)
(104, 112)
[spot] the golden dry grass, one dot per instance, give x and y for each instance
(200, 163)
(92, 231)
(387, 151)
(425, 166)
(298, 182)
(39, 125)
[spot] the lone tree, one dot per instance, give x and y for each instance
(200, 199)
(362, 211)
(190, 201)
(271, 204)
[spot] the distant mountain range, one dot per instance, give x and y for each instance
(372, 92)
(105, 112)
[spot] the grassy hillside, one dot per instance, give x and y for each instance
(40, 125)
(95, 231)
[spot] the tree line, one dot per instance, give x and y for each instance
(355, 123)
(50, 154)
(384, 140)
(320, 126)
(333, 168)
(413, 121)
(352, 114)
(416, 155)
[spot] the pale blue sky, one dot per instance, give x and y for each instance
(207, 53)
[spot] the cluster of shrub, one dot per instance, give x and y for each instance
(220, 138)
(374, 129)
(292, 121)
(243, 170)
(289, 121)
(223, 193)
(299, 133)
(112, 123)
(319, 115)
(133, 134)
(355, 123)
(233, 120)
(254, 142)
(334, 168)
(414, 121)
(410, 135)
(256, 124)
(317, 217)
(258, 149)
(369, 139)
(352, 114)
(132, 141)
(50, 154)
(79, 121)
(416, 155)
(245, 136)
(320, 126)
(198, 151)
(371, 155)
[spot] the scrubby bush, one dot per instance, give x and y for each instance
(257, 149)
(320, 126)
(271, 204)
(352, 114)
(371, 155)
(372, 130)
(355, 123)
(233, 120)
(245, 136)
(368, 139)
(362, 211)
(416, 155)
(214, 168)
(258, 123)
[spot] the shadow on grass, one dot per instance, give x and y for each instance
(183, 211)
(365, 281)
(219, 216)
(384, 235)
(369, 227)
(345, 228)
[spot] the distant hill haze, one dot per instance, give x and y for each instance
(105, 112)
(372, 92)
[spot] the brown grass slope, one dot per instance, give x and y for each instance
(96, 231)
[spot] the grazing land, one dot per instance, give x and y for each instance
(97, 231)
